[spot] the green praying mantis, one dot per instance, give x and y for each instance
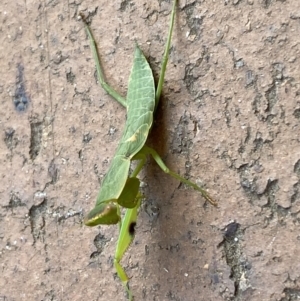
(119, 188)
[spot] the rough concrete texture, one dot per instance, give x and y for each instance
(229, 120)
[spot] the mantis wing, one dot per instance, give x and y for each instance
(140, 105)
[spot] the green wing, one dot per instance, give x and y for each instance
(140, 106)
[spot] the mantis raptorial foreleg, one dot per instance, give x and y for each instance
(126, 237)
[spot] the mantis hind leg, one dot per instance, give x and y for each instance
(113, 93)
(165, 57)
(150, 151)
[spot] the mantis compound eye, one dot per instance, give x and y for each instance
(103, 214)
